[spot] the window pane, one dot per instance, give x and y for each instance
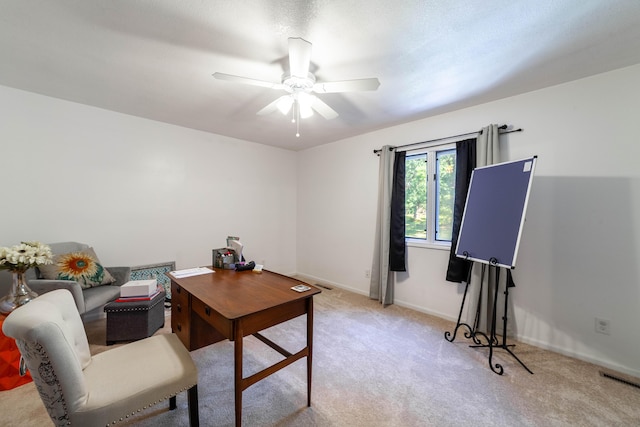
(445, 193)
(416, 196)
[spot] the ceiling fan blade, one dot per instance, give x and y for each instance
(299, 57)
(323, 109)
(346, 86)
(273, 106)
(246, 80)
(270, 108)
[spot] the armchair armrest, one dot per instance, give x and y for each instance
(121, 274)
(42, 286)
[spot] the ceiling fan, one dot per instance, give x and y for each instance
(300, 85)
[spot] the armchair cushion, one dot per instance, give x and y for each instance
(83, 267)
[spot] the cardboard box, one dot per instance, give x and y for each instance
(139, 288)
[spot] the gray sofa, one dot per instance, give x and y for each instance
(90, 302)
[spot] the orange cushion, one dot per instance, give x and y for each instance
(9, 362)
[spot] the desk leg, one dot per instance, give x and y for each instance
(237, 358)
(309, 346)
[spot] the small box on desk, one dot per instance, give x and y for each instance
(224, 258)
(139, 288)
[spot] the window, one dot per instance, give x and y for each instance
(430, 194)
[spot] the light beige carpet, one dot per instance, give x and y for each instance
(377, 366)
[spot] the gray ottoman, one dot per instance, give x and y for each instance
(128, 321)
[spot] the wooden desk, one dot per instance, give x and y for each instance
(229, 304)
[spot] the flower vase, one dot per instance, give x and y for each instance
(20, 293)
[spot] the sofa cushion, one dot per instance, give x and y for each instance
(83, 267)
(99, 296)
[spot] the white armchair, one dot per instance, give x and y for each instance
(84, 390)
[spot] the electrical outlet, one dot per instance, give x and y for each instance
(603, 326)
(367, 274)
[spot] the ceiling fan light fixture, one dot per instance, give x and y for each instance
(304, 104)
(305, 112)
(284, 104)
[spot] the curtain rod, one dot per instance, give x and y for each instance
(501, 128)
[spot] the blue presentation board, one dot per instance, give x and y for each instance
(494, 213)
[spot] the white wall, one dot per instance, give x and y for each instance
(579, 253)
(140, 191)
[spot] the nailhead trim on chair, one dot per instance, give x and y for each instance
(151, 404)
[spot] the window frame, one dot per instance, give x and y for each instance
(430, 240)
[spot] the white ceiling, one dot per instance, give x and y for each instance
(155, 59)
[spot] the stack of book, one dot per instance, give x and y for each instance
(139, 290)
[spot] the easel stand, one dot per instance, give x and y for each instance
(473, 333)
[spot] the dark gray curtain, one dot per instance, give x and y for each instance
(458, 269)
(397, 246)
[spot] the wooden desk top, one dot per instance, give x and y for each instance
(236, 294)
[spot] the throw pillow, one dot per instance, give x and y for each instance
(82, 267)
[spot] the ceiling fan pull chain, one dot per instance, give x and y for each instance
(297, 109)
(293, 112)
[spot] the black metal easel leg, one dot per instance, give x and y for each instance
(497, 368)
(470, 331)
(492, 339)
(504, 323)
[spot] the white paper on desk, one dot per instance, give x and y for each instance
(188, 272)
